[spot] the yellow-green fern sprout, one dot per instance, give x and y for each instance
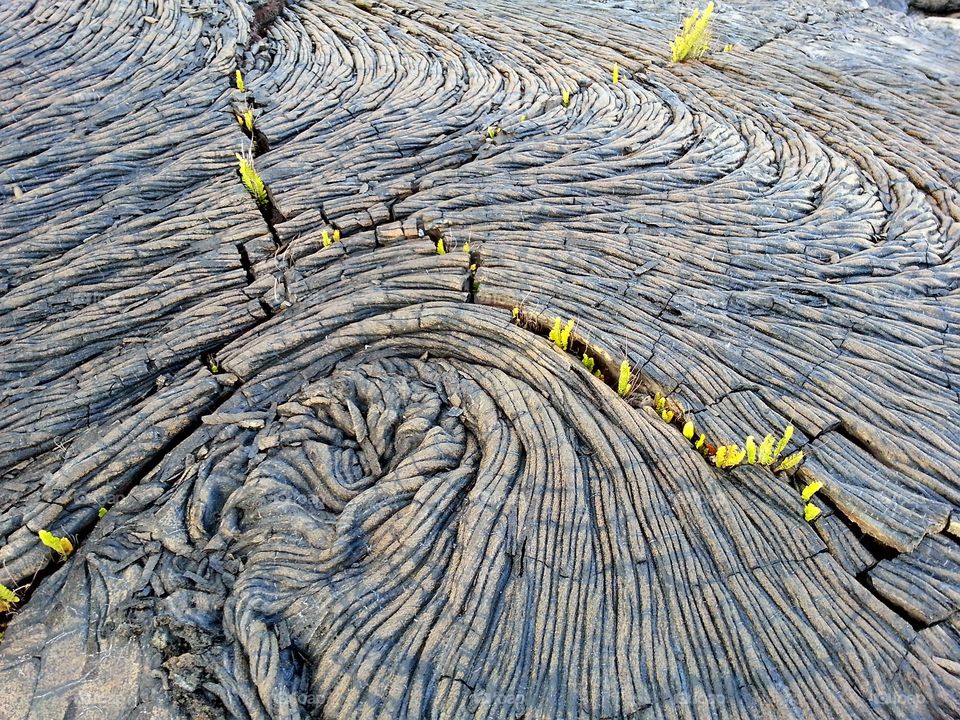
(565, 334)
(667, 415)
(765, 453)
(554, 335)
(101, 512)
(246, 120)
(565, 98)
(688, 430)
(791, 461)
(326, 238)
(616, 73)
(251, 180)
(782, 445)
(811, 512)
(8, 598)
(810, 489)
(239, 81)
(560, 334)
(751, 450)
(61, 545)
(729, 456)
(588, 363)
(694, 40)
(623, 381)
(441, 250)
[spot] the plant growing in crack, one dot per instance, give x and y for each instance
(590, 364)
(8, 598)
(624, 387)
(560, 334)
(694, 40)
(251, 178)
(245, 118)
(60, 545)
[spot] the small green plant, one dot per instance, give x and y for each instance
(810, 512)
(246, 120)
(8, 598)
(767, 454)
(560, 334)
(238, 77)
(101, 512)
(660, 403)
(588, 363)
(441, 250)
(810, 490)
(60, 545)
(591, 365)
(493, 131)
(791, 461)
(251, 180)
(694, 40)
(729, 456)
(623, 380)
(565, 98)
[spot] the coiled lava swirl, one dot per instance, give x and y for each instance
(345, 479)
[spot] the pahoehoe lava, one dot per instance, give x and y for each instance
(343, 481)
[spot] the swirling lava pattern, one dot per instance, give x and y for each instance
(389, 499)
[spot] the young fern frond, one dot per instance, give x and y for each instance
(8, 598)
(560, 334)
(765, 453)
(729, 456)
(623, 381)
(246, 120)
(810, 489)
(811, 512)
(251, 180)
(694, 40)
(782, 445)
(565, 98)
(61, 545)
(688, 430)
(588, 363)
(239, 81)
(791, 461)
(441, 249)
(616, 73)
(565, 334)
(751, 450)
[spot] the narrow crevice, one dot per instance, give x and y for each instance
(863, 577)
(245, 263)
(472, 278)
